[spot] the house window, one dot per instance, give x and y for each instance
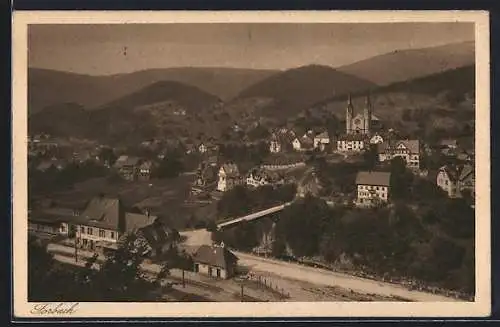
(196, 267)
(112, 234)
(218, 273)
(210, 271)
(82, 230)
(89, 230)
(102, 233)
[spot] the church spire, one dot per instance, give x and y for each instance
(350, 107)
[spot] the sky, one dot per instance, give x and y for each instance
(123, 48)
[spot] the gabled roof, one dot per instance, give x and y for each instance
(103, 212)
(124, 160)
(323, 135)
(306, 140)
(377, 178)
(216, 256)
(230, 169)
(109, 213)
(135, 221)
(156, 234)
(390, 145)
(458, 172)
(147, 165)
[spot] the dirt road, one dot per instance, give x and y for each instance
(333, 279)
(282, 272)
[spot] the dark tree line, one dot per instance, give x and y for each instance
(118, 279)
(432, 243)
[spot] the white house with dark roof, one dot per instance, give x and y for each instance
(104, 221)
(229, 177)
(376, 139)
(260, 177)
(128, 167)
(455, 179)
(321, 141)
(373, 187)
(352, 143)
(306, 142)
(408, 150)
(156, 238)
(215, 261)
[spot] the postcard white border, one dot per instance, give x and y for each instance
(482, 304)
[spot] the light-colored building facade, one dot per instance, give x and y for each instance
(455, 179)
(408, 150)
(215, 261)
(104, 221)
(373, 187)
(228, 177)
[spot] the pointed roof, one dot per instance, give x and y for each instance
(216, 256)
(323, 135)
(109, 213)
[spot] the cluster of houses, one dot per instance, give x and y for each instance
(133, 168)
(104, 221)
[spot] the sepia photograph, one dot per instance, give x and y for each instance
(286, 164)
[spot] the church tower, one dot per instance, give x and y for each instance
(367, 116)
(349, 115)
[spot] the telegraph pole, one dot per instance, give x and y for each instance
(241, 292)
(76, 247)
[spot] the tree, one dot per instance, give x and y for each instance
(211, 226)
(107, 155)
(370, 158)
(400, 179)
(170, 167)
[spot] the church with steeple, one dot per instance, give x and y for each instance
(358, 127)
(360, 123)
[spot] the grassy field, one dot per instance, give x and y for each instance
(164, 197)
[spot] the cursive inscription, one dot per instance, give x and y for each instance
(62, 308)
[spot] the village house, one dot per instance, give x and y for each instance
(104, 221)
(128, 167)
(260, 177)
(448, 144)
(281, 141)
(202, 148)
(408, 150)
(155, 239)
(215, 261)
(206, 174)
(304, 143)
(373, 187)
(52, 221)
(146, 169)
(376, 139)
(274, 145)
(352, 143)
(321, 141)
(455, 179)
(229, 177)
(53, 163)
